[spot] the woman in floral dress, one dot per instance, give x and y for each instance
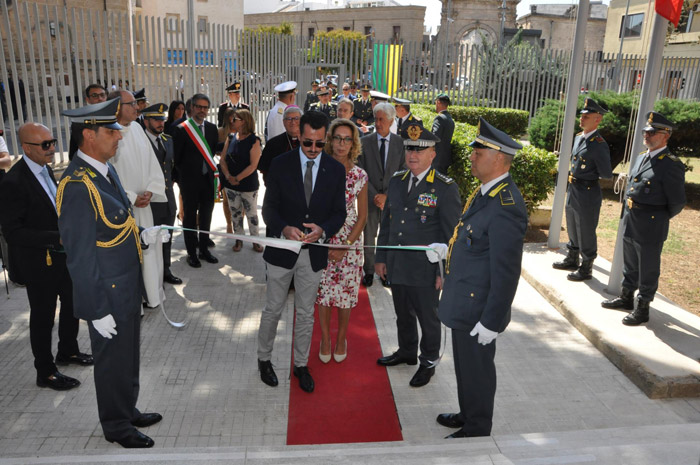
(340, 282)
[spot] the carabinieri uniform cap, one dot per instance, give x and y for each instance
(401, 101)
(491, 138)
(315, 82)
(657, 121)
(381, 96)
(415, 135)
(156, 111)
(366, 87)
(323, 91)
(591, 106)
(235, 87)
(140, 94)
(100, 114)
(286, 87)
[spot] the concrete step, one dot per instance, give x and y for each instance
(647, 445)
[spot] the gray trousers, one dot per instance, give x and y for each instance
(641, 267)
(305, 290)
(582, 214)
(417, 303)
(374, 217)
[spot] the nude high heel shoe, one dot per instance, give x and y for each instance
(324, 358)
(340, 357)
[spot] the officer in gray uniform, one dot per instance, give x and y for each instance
(324, 104)
(590, 160)
(482, 274)
(163, 212)
(103, 254)
(311, 96)
(655, 193)
(422, 207)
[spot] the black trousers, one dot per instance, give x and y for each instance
(162, 216)
(476, 381)
(43, 294)
(197, 205)
(417, 303)
(117, 376)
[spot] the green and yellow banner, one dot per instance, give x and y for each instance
(386, 68)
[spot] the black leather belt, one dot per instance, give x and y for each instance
(582, 182)
(631, 204)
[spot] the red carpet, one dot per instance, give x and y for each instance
(352, 401)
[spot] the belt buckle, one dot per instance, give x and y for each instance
(571, 179)
(630, 203)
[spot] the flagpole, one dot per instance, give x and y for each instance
(572, 89)
(650, 89)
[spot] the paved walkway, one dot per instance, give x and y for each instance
(559, 400)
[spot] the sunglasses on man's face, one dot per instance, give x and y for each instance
(653, 132)
(45, 145)
(308, 143)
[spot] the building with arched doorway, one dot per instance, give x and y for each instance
(473, 21)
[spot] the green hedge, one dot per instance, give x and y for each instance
(616, 123)
(509, 120)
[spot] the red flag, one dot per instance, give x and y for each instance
(670, 9)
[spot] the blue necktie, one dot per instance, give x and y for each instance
(49, 183)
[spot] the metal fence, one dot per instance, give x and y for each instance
(50, 54)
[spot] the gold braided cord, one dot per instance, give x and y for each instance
(125, 229)
(453, 239)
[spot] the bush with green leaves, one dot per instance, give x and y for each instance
(615, 127)
(509, 120)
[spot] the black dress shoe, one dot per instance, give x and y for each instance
(147, 419)
(77, 359)
(58, 382)
(171, 279)
(135, 440)
(306, 382)
(464, 434)
(210, 243)
(207, 256)
(395, 359)
(193, 261)
(267, 374)
(450, 420)
(385, 283)
(422, 376)
(368, 280)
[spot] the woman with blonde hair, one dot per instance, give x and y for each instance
(239, 164)
(340, 282)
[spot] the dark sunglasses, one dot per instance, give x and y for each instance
(653, 132)
(45, 145)
(309, 143)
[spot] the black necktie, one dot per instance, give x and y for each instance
(112, 181)
(413, 185)
(382, 153)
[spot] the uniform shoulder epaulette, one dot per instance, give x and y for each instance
(399, 173)
(444, 178)
(315, 104)
(599, 139)
(165, 136)
(280, 110)
(673, 157)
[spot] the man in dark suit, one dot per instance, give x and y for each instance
(482, 274)
(234, 101)
(655, 194)
(304, 201)
(443, 128)
(30, 224)
(422, 207)
(103, 251)
(382, 156)
(288, 140)
(163, 212)
(590, 160)
(194, 140)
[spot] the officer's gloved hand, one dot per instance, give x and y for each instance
(486, 336)
(106, 326)
(436, 252)
(150, 235)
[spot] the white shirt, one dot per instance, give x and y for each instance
(314, 171)
(419, 176)
(386, 146)
(36, 170)
(275, 122)
(486, 187)
(3, 145)
(656, 152)
(98, 165)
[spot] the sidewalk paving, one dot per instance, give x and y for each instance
(559, 399)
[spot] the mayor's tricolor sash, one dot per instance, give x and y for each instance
(201, 143)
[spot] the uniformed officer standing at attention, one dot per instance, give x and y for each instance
(141, 104)
(482, 274)
(103, 250)
(655, 194)
(163, 212)
(422, 207)
(590, 160)
(234, 101)
(324, 105)
(311, 96)
(443, 128)
(286, 95)
(362, 114)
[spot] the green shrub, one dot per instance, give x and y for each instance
(509, 120)
(615, 126)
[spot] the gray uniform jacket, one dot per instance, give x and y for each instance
(429, 214)
(590, 158)
(656, 192)
(484, 261)
(443, 128)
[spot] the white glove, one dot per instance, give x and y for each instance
(436, 252)
(150, 235)
(486, 336)
(105, 326)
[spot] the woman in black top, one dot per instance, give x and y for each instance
(239, 175)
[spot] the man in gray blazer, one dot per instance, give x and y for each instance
(382, 156)
(443, 128)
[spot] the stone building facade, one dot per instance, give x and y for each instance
(469, 19)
